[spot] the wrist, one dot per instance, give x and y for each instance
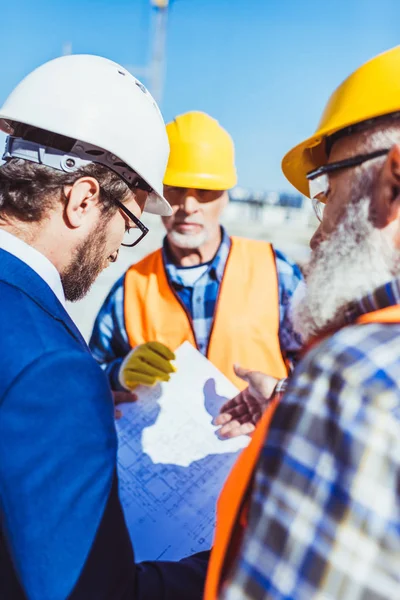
(121, 372)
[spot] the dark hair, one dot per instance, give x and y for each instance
(29, 190)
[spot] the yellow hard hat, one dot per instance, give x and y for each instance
(373, 90)
(202, 154)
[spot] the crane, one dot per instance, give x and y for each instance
(157, 60)
(154, 72)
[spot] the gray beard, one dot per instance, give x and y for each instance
(183, 240)
(351, 263)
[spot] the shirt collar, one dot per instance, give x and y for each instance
(216, 267)
(35, 260)
(384, 296)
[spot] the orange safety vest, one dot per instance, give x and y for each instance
(233, 503)
(245, 328)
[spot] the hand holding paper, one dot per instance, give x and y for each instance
(146, 365)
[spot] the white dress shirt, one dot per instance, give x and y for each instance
(35, 260)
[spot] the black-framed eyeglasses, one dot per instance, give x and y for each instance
(318, 179)
(135, 234)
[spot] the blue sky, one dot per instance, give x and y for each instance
(263, 68)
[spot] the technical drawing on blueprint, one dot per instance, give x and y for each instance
(171, 464)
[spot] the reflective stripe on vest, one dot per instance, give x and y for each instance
(246, 321)
(233, 503)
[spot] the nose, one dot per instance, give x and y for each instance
(189, 202)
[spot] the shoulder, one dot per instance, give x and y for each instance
(9, 292)
(146, 264)
(27, 332)
(114, 299)
(116, 290)
(342, 399)
(372, 345)
(286, 267)
(358, 366)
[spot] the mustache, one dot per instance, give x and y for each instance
(188, 222)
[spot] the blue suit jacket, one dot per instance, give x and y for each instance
(62, 530)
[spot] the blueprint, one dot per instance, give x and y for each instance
(171, 464)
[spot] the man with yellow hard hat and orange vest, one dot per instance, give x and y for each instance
(228, 296)
(311, 508)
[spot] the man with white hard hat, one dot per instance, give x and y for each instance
(86, 154)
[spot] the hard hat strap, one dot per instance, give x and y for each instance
(42, 155)
(80, 156)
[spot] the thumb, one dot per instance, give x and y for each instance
(242, 372)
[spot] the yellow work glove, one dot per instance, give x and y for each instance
(146, 365)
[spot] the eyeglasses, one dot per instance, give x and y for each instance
(318, 180)
(176, 195)
(135, 234)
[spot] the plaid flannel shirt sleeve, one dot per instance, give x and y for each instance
(109, 341)
(289, 277)
(324, 516)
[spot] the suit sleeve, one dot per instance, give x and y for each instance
(61, 516)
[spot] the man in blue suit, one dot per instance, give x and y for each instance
(85, 155)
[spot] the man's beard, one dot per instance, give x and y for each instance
(86, 265)
(351, 263)
(184, 240)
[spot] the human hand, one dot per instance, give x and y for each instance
(146, 365)
(240, 415)
(120, 398)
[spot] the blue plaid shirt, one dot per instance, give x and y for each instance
(109, 341)
(324, 521)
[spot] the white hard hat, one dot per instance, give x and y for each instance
(113, 118)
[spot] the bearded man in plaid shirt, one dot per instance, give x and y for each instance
(323, 519)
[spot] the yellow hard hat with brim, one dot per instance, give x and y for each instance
(373, 90)
(202, 154)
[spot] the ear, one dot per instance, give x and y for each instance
(386, 207)
(83, 198)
